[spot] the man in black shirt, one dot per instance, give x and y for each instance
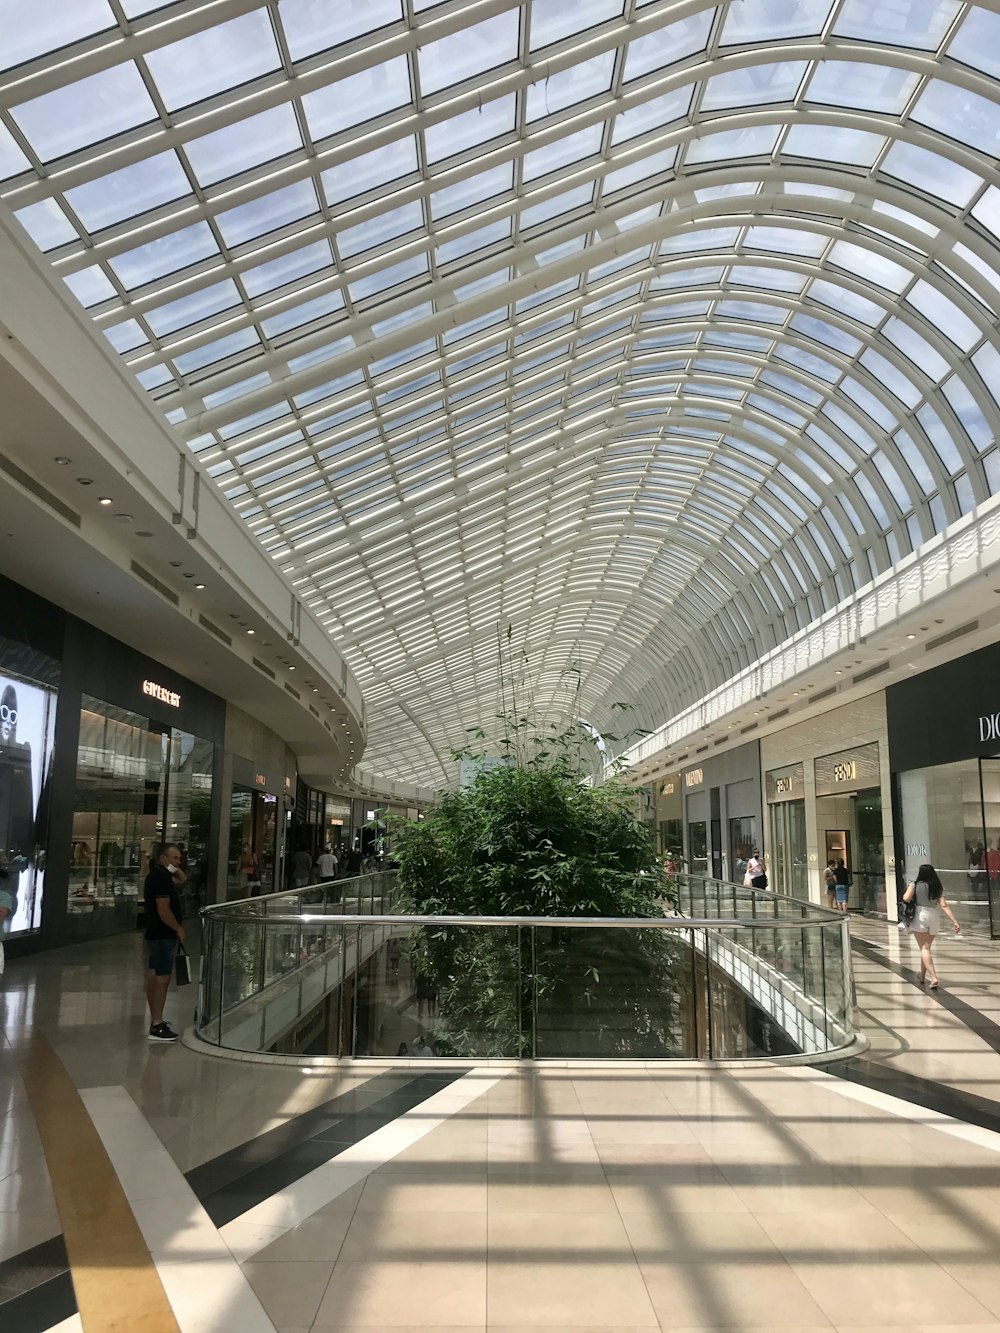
(163, 933)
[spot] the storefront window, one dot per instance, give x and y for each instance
(789, 866)
(742, 842)
(698, 836)
(27, 723)
(137, 784)
(950, 819)
(253, 827)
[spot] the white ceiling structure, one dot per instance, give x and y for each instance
(654, 329)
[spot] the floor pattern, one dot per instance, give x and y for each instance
(857, 1198)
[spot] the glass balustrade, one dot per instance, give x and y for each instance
(727, 973)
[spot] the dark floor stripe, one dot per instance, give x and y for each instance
(965, 1012)
(32, 1267)
(238, 1180)
(932, 1096)
(41, 1308)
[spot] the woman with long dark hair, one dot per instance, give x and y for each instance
(928, 891)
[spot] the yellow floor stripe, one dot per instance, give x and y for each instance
(118, 1289)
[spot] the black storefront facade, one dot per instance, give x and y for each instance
(944, 752)
(723, 821)
(104, 754)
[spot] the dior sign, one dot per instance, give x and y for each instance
(989, 727)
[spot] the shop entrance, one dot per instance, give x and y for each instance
(788, 859)
(137, 784)
(252, 842)
(850, 826)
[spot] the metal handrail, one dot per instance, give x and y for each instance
(611, 922)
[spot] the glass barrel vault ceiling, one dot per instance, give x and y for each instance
(652, 328)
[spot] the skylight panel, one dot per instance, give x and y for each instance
(240, 341)
(470, 241)
(192, 309)
(916, 23)
(756, 85)
(728, 145)
(214, 59)
(470, 128)
(125, 337)
(316, 25)
(31, 30)
(287, 268)
(918, 349)
(470, 51)
(931, 172)
(666, 46)
(961, 114)
(944, 315)
(90, 286)
(370, 171)
(245, 144)
(115, 99)
(641, 169)
(532, 215)
(846, 302)
(165, 255)
(652, 115)
(379, 229)
(372, 283)
(915, 461)
(561, 152)
(861, 263)
(968, 412)
(357, 97)
(569, 86)
(46, 224)
(750, 23)
(12, 159)
(472, 190)
(833, 143)
(128, 192)
(266, 214)
(859, 84)
(977, 41)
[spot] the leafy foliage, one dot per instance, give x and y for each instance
(530, 837)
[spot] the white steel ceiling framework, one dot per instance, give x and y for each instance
(655, 329)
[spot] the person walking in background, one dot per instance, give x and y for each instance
(842, 887)
(302, 864)
(757, 870)
(326, 866)
(830, 883)
(928, 892)
(164, 932)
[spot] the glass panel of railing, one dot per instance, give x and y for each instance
(448, 991)
(839, 1002)
(210, 980)
(607, 991)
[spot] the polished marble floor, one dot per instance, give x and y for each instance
(467, 1198)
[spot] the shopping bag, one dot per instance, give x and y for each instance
(182, 966)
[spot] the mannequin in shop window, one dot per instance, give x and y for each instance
(248, 871)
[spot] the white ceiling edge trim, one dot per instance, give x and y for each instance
(967, 550)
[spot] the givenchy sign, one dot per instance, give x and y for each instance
(164, 695)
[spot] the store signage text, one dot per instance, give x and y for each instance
(668, 788)
(846, 771)
(164, 695)
(260, 779)
(782, 784)
(693, 778)
(916, 849)
(989, 727)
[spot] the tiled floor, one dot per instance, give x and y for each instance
(669, 1197)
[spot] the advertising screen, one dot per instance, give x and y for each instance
(27, 726)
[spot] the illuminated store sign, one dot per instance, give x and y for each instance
(784, 784)
(989, 727)
(852, 771)
(160, 692)
(694, 777)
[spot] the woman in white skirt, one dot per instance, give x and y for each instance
(928, 891)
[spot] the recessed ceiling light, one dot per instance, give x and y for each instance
(291, 668)
(144, 534)
(911, 636)
(251, 631)
(85, 481)
(105, 500)
(199, 586)
(125, 518)
(62, 460)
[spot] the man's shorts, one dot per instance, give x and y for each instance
(161, 956)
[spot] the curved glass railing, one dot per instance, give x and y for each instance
(332, 970)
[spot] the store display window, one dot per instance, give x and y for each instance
(138, 784)
(253, 840)
(27, 728)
